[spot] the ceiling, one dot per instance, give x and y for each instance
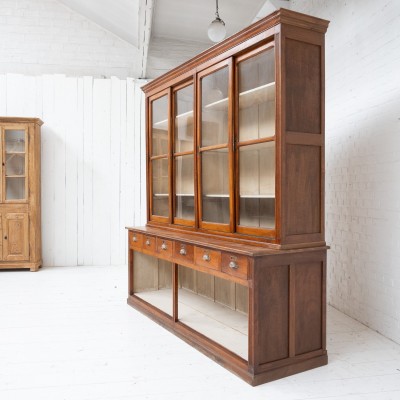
(139, 21)
(189, 19)
(120, 17)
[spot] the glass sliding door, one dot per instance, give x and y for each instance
(184, 202)
(256, 141)
(214, 157)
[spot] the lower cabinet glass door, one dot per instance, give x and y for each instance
(152, 281)
(215, 307)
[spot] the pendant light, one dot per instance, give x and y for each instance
(217, 30)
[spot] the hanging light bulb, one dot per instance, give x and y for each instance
(217, 30)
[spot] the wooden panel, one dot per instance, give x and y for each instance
(242, 298)
(164, 274)
(207, 258)
(205, 284)
(303, 87)
(145, 272)
(235, 265)
(16, 237)
(303, 187)
(225, 292)
(187, 278)
(272, 313)
(308, 307)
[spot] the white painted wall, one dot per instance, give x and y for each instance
(92, 162)
(363, 158)
(44, 37)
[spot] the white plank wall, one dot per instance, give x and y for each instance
(92, 162)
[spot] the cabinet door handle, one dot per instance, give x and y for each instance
(206, 257)
(148, 242)
(134, 238)
(233, 265)
(182, 251)
(164, 246)
(5, 237)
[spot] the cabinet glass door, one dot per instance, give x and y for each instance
(256, 144)
(214, 145)
(15, 164)
(159, 160)
(184, 156)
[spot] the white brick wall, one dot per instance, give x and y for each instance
(363, 158)
(43, 36)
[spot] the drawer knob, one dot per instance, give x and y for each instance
(148, 242)
(233, 265)
(206, 257)
(164, 246)
(182, 251)
(134, 238)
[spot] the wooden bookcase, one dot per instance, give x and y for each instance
(233, 256)
(20, 232)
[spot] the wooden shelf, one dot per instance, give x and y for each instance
(180, 120)
(216, 195)
(15, 176)
(257, 196)
(260, 94)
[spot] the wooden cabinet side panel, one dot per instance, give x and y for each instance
(308, 307)
(303, 182)
(303, 86)
(271, 317)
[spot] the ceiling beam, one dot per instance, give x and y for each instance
(146, 8)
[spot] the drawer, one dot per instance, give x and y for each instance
(164, 247)
(183, 252)
(235, 265)
(135, 240)
(149, 243)
(207, 258)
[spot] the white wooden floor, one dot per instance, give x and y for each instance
(67, 333)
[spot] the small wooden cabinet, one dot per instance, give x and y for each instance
(233, 256)
(20, 227)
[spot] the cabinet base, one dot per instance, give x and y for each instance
(33, 267)
(226, 358)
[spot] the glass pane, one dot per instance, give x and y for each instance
(214, 108)
(15, 164)
(215, 307)
(15, 140)
(160, 187)
(257, 96)
(257, 185)
(184, 119)
(152, 281)
(15, 188)
(184, 187)
(215, 189)
(159, 130)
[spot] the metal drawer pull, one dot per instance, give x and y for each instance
(164, 246)
(206, 257)
(182, 251)
(233, 265)
(134, 239)
(148, 242)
